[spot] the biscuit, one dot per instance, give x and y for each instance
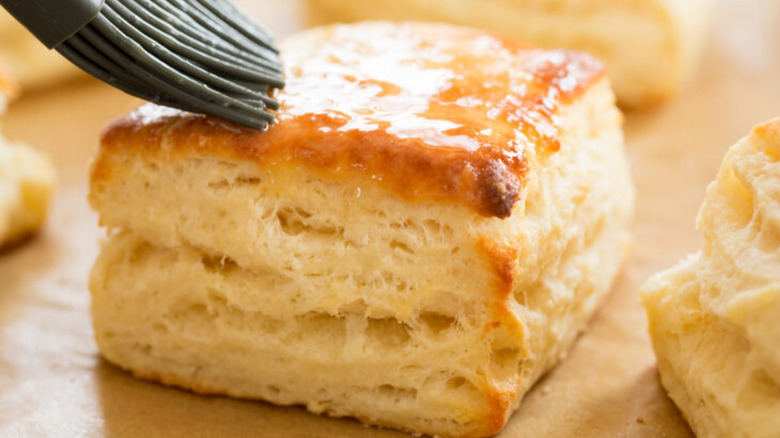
(26, 182)
(650, 48)
(433, 219)
(713, 318)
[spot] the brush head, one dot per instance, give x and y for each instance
(202, 56)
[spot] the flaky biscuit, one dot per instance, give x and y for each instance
(433, 219)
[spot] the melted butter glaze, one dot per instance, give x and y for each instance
(430, 110)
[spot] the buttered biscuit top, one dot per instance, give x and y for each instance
(429, 111)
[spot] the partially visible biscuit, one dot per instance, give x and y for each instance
(715, 317)
(26, 183)
(650, 48)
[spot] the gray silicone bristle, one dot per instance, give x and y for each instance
(201, 56)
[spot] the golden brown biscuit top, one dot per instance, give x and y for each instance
(432, 111)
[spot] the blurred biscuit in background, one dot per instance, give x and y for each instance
(28, 60)
(26, 180)
(650, 48)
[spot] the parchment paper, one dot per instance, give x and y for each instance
(54, 384)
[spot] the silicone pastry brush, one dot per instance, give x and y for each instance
(201, 56)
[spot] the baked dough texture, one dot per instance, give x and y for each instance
(650, 48)
(434, 218)
(26, 183)
(715, 317)
(30, 62)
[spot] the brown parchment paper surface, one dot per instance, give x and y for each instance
(54, 384)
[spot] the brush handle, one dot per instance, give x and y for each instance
(53, 21)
